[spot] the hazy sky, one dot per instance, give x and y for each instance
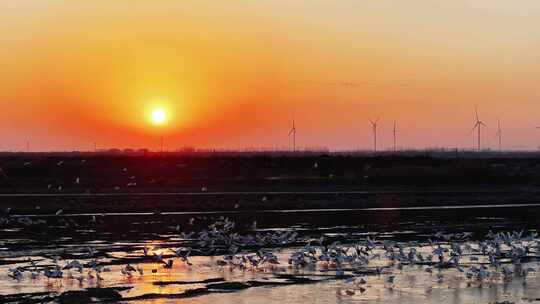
(230, 74)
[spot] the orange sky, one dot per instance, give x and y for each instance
(232, 73)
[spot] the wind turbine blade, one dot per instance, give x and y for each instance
(476, 112)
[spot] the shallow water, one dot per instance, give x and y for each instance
(300, 211)
(412, 284)
(119, 239)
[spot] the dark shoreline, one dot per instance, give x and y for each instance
(42, 183)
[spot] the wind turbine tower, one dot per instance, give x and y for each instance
(374, 127)
(293, 133)
(394, 132)
(478, 125)
(538, 127)
(499, 134)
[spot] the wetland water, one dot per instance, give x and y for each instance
(302, 256)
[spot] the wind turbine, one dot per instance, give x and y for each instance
(374, 126)
(478, 125)
(394, 131)
(499, 134)
(538, 127)
(293, 132)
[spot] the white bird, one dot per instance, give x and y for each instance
(168, 264)
(15, 274)
(140, 270)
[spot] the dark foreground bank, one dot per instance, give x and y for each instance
(45, 183)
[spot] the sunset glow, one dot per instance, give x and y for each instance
(232, 73)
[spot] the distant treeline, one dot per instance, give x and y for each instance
(432, 152)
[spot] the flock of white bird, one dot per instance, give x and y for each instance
(498, 256)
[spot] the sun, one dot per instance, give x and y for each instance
(158, 116)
